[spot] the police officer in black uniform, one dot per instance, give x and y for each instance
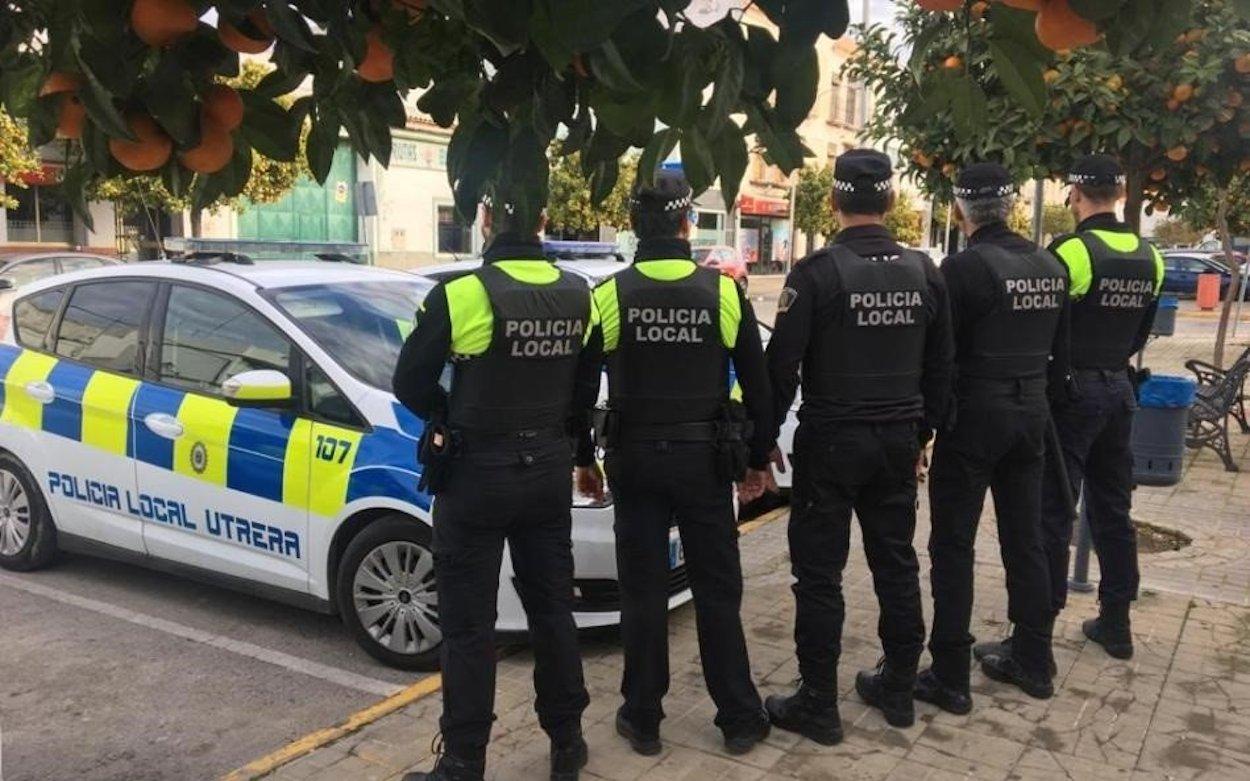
(670, 329)
(1008, 299)
(1115, 277)
(515, 332)
(869, 323)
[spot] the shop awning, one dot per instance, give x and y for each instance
(764, 207)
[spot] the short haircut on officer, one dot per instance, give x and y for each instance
(984, 211)
(653, 224)
(857, 202)
(1101, 193)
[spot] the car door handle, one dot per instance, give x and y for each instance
(41, 391)
(163, 425)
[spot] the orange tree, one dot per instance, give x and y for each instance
(508, 74)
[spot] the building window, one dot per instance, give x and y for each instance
(41, 216)
(455, 236)
(851, 109)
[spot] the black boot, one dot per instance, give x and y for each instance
(644, 740)
(1111, 630)
(568, 758)
(810, 714)
(931, 689)
(449, 768)
(1005, 669)
(1003, 648)
(895, 703)
(741, 738)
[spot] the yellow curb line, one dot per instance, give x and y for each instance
(323, 737)
(420, 690)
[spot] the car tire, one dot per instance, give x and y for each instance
(27, 534)
(386, 593)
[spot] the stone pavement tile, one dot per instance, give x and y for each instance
(354, 768)
(698, 766)
(1041, 765)
(612, 758)
(854, 759)
(963, 751)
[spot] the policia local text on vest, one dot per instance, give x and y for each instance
(1116, 277)
(869, 325)
(674, 447)
(1009, 307)
(519, 333)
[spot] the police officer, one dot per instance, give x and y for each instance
(514, 331)
(1115, 277)
(869, 323)
(1008, 298)
(670, 330)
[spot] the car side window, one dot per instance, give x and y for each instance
(325, 402)
(209, 337)
(33, 316)
(101, 324)
(74, 263)
(31, 271)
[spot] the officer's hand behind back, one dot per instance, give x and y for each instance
(589, 481)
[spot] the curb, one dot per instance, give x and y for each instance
(432, 684)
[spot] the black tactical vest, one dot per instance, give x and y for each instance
(525, 378)
(872, 347)
(670, 364)
(1014, 339)
(1106, 320)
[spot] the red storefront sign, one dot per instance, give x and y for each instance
(764, 207)
(47, 175)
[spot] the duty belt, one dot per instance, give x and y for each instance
(708, 431)
(480, 438)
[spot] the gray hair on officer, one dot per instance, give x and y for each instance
(984, 194)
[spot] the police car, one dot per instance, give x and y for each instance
(234, 423)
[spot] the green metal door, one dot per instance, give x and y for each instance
(310, 212)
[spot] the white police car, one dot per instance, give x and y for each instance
(234, 422)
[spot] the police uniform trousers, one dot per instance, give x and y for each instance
(998, 442)
(868, 468)
(515, 489)
(656, 485)
(1095, 428)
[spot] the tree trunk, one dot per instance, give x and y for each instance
(197, 223)
(1234, 283)
(811, 241)
(1135, 188)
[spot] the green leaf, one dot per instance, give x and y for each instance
(805, 20)
(603, 180)
(727, 90)
(323, 140)
(170, 99)
(277, 83)
(290, 25)
(555, 50)
(796, 72)
(505, 22)
(1243, 8)
(1132, 27)
(443, 101)
(968, 105)
(73, 188)
(729, 153)
(1022, 79)
(19, 86)
(1014, 27)
(99, 104)
(610, 69)
(655, 153)
(1096, 10)
(269, 128)
(920, 53)
(696, 160)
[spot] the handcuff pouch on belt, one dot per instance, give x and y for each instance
(436, 451)
(733, 454)
(729, 435)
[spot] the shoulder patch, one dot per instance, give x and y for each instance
(786, 299)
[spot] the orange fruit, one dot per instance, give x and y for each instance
(379, 62)
(1115, 83)
(60, 81)
(149, 151)
(214, 151)
(1245, 166)
(1050, 75)
(940, 5)
(979, 8)
(953, 62)
(1234, 99)
(1177, 153)
(161, 22)
(1027, 5)
(949, 169)
(1242, 64)
(1158, 175)
(1182, 92)
(224, 106)
(236, 40)
(1173, 104)
(921, 159)
(1059, 27)
(70, 118)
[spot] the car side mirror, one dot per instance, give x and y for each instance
(6, 283)
(258, 388)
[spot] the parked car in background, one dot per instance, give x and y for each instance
(1181, 269)
(600, 259)
(726, 260)
(22, 268)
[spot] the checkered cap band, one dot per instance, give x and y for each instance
(1092, 179)
(850, 187)
(677, 204)
(985, 192)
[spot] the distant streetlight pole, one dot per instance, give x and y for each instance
(863, 98)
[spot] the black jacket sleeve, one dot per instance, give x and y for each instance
(796, 312)
(757, 396)
(1147, 325)
(1061, 355)
(586, 395)
(939, 355)
(423, 357)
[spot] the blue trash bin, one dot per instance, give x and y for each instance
(1165, 316)
(1159, 429)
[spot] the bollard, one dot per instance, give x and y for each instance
(1080, 566)
(1208, 294)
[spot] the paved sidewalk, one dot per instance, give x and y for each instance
(1179, 710)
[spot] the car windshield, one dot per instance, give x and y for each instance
(361, 325)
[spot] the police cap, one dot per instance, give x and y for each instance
(862, 171)
(1096, 171)
(984, 180)
(669, 193)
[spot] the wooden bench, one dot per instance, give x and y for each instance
(1221, 394)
